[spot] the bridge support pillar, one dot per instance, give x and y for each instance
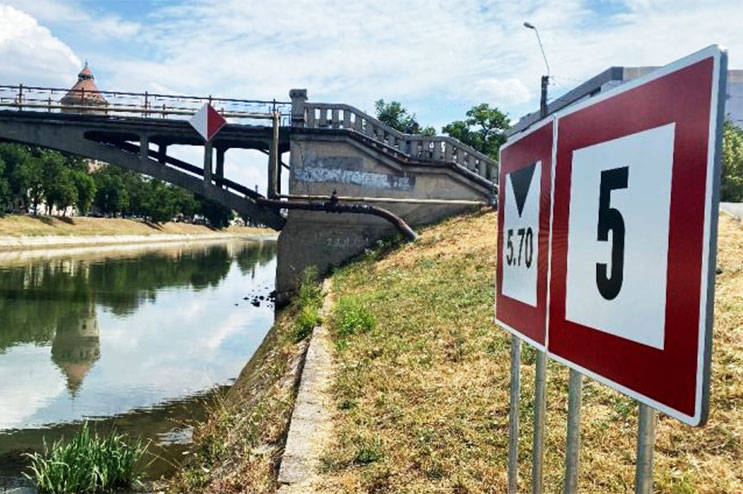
(144, 147)
(162, 153)
(208, 162)
(220, 164)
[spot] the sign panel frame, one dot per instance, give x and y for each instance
(671, 376)
(533, 147)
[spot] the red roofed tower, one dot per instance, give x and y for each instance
(85, 93)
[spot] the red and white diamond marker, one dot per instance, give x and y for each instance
(207, 121)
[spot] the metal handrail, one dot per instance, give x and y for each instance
(153, 95)
(148, 105)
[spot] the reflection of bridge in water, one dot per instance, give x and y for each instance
(333, 147)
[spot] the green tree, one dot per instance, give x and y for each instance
(5, 196)
(483, 129)
(85, 186)
(54, 185)
(731, 188)
(17, 159)
(33, 176)
(136, 190)
(159, 204)
(399, 118)
(110, 196)
(217, 215)
(62, 192)
(186, 203)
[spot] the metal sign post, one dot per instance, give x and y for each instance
(537, 452)
(513, 431)
(645, 448)
(572, 449)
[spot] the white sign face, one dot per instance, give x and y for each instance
(620, 196)
(520, 234)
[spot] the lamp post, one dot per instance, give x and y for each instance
(540, 372)
(545, 78)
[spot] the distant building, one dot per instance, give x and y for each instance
(85, 93)
(615, 76)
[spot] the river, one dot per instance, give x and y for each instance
(136, 338)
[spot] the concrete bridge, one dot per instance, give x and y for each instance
(332, 148)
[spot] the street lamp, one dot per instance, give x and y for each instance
(545, 78)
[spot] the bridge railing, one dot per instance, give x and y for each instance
(127, 104)
(424, 148)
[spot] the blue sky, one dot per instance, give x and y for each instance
(438, 58)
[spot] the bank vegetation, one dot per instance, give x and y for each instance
(421, 391)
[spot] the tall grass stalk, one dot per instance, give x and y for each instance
(87, 463)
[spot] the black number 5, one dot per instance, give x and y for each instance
(611, 219)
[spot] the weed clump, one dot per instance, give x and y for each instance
(352, 317)
(369, 452)
(87, 463)
(309, 301)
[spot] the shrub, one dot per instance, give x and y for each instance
(87, 463)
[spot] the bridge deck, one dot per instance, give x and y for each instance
(167, 132)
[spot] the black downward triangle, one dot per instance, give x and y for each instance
(521, 181)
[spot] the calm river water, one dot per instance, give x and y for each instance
(132, 338)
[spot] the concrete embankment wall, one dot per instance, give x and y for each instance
(323, 163)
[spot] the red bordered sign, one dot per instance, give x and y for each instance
(634, 235)
(523, 234)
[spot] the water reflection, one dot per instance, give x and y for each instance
(77, 345)
(106, 334)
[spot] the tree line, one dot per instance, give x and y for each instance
(485, 126)
(35, 180)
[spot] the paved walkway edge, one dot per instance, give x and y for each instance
(310, 422)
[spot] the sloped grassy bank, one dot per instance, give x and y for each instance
(422, 395)
(421, 387)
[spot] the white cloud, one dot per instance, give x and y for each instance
(508, 91)
(30, 54)
(76, 17)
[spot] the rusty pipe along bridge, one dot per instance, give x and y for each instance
(134, 131)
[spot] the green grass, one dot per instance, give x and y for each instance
(309, 301)
(87, 463)
(422, 396)
(351, 317)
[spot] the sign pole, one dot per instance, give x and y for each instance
(575, 392)
(645, 449)
(513, 432)
(540, 384)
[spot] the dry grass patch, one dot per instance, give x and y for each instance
(422, 396)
